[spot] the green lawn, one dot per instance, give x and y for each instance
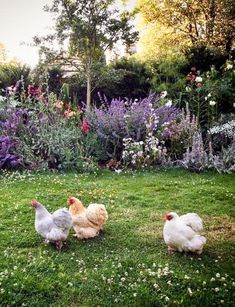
(128, 265)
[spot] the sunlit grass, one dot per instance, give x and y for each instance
(128, 265)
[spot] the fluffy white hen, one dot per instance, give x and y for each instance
(87, 222)
(182, 233)
(52, 227)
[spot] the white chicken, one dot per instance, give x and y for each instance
(52, 227)
(87, 222)
(182, 233)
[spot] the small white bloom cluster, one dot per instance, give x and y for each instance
(229, 65)
(198, 79)
(163, 94)
(212, 103)
(227, 129)
(142, 153)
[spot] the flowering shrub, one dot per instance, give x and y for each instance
(178, 132)
(211, 93)
(142, 154)
(222, 135)
(227, 129)
(45, 137)
(198, 158)
(122, 120)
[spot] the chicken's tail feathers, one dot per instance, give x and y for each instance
(97, 214)
(62, 218)
(193, 220)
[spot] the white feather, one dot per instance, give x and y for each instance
(193, 220)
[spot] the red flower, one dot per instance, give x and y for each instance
(85, 127)
(190, 77)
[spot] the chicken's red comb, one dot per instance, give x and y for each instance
(34, 202)
(165, 216)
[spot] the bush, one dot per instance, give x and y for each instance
(169, 75)
(46, 136)
(137, 120)
(118, 120)
(203, 56)
(11, 73)
(210, 94)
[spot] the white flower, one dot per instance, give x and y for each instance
(169, 103)
(234, 104)
(198, 79)
(212, 103)
(190, 291)
(163, 94)
(209, 95)
(229, 66)
(216, 289)
(217, 275)
(188, 89)
(2, 98)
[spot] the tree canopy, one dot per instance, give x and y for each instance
(84, 30)
(205, 22)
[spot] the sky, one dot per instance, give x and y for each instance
(20, 20)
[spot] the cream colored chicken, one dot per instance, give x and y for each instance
(87, 222)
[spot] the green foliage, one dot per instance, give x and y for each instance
(47, 76)
(122, 78)
(214, 96)
(10, 73)
(207, 22)
(203, 57)
(134, 81)
(169, 75)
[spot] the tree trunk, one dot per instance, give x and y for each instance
(88, 92)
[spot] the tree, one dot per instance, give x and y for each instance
(209, 22)
(84, 30)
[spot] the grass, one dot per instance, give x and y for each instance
(128, 265)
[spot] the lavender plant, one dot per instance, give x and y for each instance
(197, 158)
(122, 120)
(178, 132)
